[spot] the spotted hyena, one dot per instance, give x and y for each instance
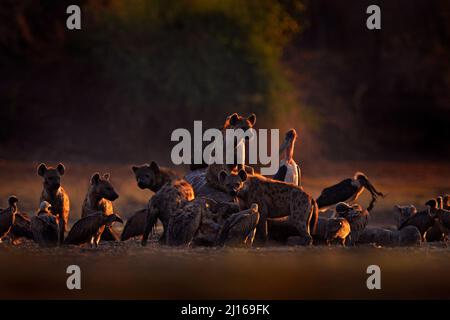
(170, 193)
(337, 230)
(55, 195)
(233, 121)
(356, 216)
(275, 199)
(99, 198)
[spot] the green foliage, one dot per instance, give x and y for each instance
(207, 55)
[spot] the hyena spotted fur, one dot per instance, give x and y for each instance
(170, 193)
(55, 195)
(275, 199)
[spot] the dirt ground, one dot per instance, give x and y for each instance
(128, 271)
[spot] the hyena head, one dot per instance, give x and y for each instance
(236, 121)
(402, 213)
(148, 176)
(102, 187)
(335, 227)
(233, 182)
(12, 202)
(52, 176)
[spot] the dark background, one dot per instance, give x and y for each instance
(137, 70)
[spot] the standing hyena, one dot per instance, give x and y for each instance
(170, 193)
(276, 199)
(55, 195)
(233, 121)
(99, 197)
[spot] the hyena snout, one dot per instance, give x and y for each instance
(142, 184)
(53, 182)
(111, 196)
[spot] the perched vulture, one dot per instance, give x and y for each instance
(45, 226)
(22, 227)
(348, 190)
(135, 226)
(239, 229)
(440, 230)
(7, 217)
(185, 222)
(422, 220)
(90, 228)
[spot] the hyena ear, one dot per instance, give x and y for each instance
(154, 166)
(252, 119)
(243, 175)
(233, 119)
(106, 176)
(61, 169)
(222, 176)
(42, 169)
(134, 168)
(95, 178)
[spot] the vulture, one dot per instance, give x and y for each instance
(45, 226)
(348, 190)
(90, 228)
(22, 227)
(446, 202)
(289, 171)
(184, 222)
(239, 229)
(439, 231)
(135, 226)
(422, 220)
(7, 217)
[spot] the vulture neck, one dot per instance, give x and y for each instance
(289, 155)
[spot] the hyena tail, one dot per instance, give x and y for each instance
(314, 217)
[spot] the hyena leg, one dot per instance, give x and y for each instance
(163, 238)
(152, 216)
(109, 235)
(62, 229)
(302, 209)
(261, 228)
(301, 221)
(97, 239)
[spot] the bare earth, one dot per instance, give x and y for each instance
(128, 271)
